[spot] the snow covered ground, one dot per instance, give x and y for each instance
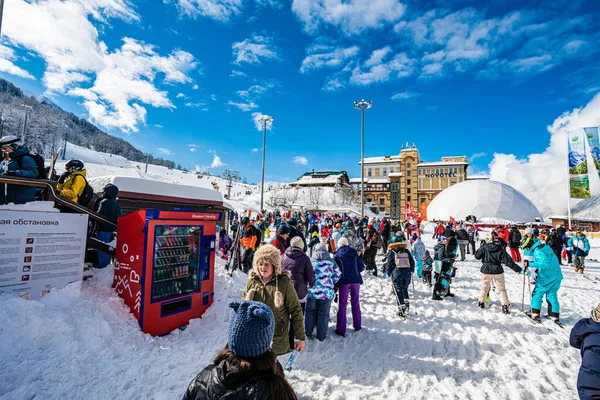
(82, 342)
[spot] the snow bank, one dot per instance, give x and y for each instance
(94, 157)
(41, 206)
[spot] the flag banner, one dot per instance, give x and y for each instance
(594, 143)
(579, 182)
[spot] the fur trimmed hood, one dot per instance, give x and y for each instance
(397, 245)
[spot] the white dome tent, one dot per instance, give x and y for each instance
(485, 199)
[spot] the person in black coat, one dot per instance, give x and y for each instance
(246, 368)
(493, 255)
(585, 336)
(109, 209)
(294, 231)
(555, 242)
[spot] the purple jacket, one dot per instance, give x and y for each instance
(298, 264)
(224, 242)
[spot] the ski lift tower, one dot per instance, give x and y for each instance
(230, 175)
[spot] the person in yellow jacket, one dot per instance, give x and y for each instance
(71, 183)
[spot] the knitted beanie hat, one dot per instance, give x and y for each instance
(284, 229)
(596, 314)
(251, 328)
(297, 242)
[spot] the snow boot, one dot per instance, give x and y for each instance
(505, 309)
(436, 297)
(407, 304)
(481, 305)
(576, 269)
(402, 310)
(534, 314)
(581, 270)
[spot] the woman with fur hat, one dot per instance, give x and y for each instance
(351, 266)
(400, 267)
(268, 284)
(585, 336)
(246, 368)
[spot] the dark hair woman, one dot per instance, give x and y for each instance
(246, 368)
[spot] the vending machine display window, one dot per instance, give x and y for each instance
(176, 261)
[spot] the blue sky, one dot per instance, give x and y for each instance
(186, 79)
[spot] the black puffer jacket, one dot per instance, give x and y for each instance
(109, 208)
(224, 382)
(493, 255)
(462, 234)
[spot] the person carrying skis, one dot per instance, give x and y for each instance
(514, 241)
(585, 336)
(445, 257)
(400, 266)
(493, 256)
(549, 277)
(418, 253)
(580, 248)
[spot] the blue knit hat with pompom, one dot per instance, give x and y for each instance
(251, 328)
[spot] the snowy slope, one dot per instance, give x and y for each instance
(84, 343)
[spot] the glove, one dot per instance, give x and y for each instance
(525, 272)
(63, 177)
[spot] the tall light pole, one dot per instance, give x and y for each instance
(362, 105)
(1, 12)
(264, 119)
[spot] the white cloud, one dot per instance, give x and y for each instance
(193, 147)
(181, 96)
(255, 92)
(165, 151)
(199, 104)
(195, 87)
(542, 177)
(193, 150)
(114, 83)
(349, 16)
(216, 162)
(300, 160)
(405, 95)
(257, 118)
(476, 156)
(319, 56)
(399, 66)
(235, 73)
(255, 50)
(333, 84)
(255, 150)
(220, 10)
(214, 97)
(7, 56)
(434, 69)
(243, 106)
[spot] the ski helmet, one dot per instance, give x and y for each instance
(396, 239)
(12, 141)
(77, 165)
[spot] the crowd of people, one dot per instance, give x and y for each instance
(316, 259)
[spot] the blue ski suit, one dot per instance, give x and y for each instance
(548, 279)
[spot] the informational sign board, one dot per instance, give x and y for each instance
(40, 251)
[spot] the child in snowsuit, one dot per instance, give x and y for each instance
(400, 267)
(418, 252)
(585, 335)
(427, 268)
(314, 240)
(445, 256)
(549, 277)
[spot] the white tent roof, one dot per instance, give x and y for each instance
(483, 199)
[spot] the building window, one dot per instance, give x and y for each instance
(384, 171)
(408, 173)
(391, 170)
(407, 198)
(422, 200)
(407, 190)
(408, 182)
(382, 201)
(369, 200)
(407, 165)
(369, 172)
(377, 171)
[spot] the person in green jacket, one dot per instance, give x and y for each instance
(268, 284)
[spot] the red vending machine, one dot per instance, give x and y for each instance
(164, 266)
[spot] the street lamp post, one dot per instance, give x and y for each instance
(264, 119)
(362, 105)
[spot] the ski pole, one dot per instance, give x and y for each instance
(530, 295)
(523, 297)
(414, 295)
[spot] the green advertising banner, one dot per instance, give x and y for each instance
(594, 143)
(579, 182)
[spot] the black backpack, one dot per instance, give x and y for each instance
(39, 162)
(87, 195)
(516, 238)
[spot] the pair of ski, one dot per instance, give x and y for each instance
(545, 317)
(53, 157)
